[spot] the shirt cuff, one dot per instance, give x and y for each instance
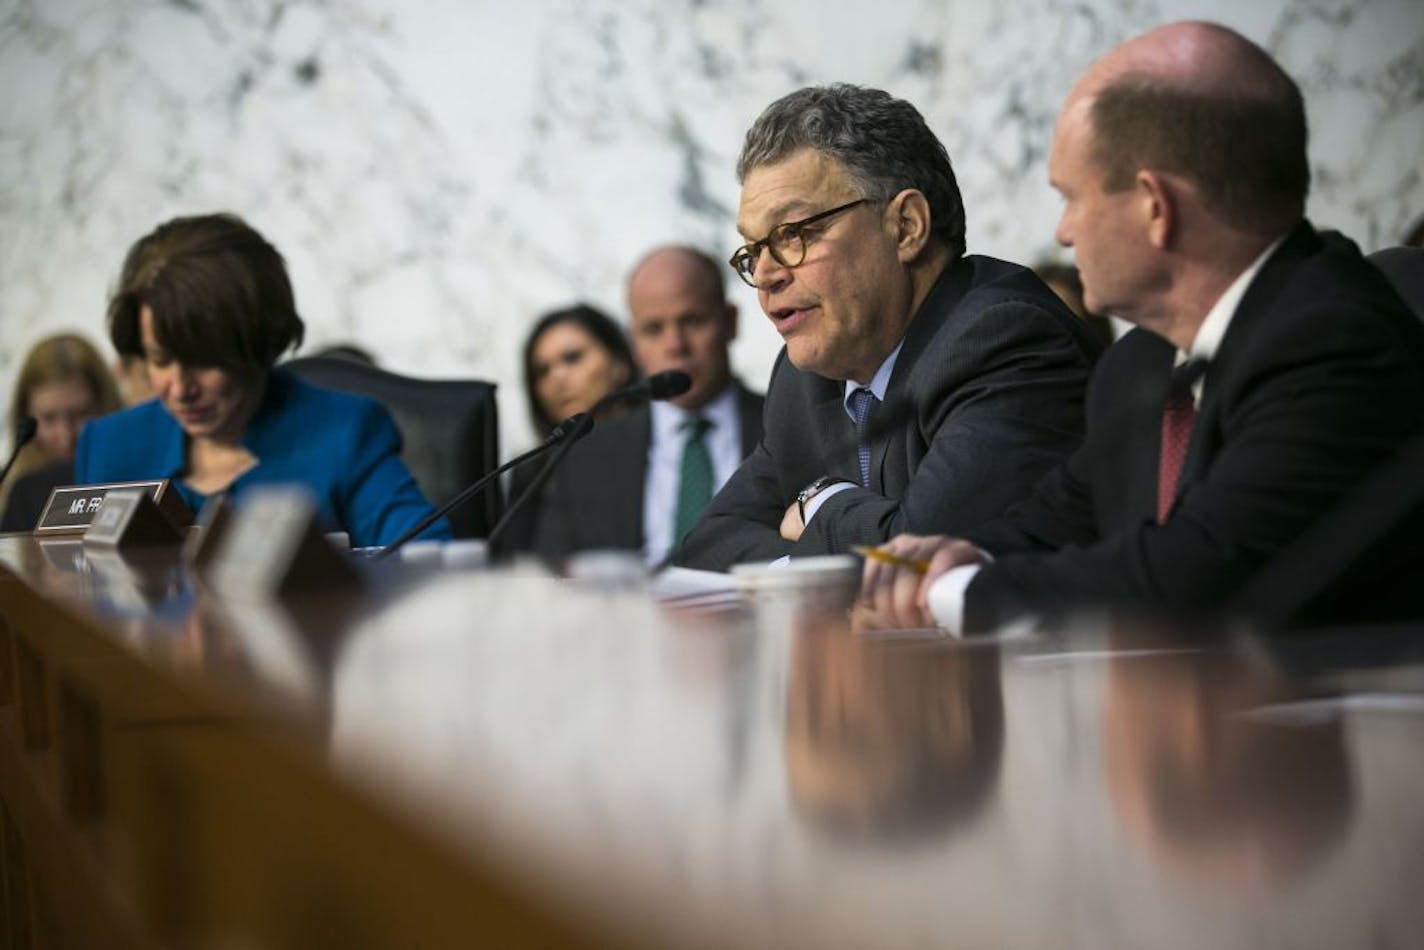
(814, 505)
(946, 597)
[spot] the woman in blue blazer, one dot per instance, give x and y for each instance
(206, 303)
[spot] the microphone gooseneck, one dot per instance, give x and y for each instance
(668, 384)
(561, 432)
(664, 385)
(581, 429)
(24, 435)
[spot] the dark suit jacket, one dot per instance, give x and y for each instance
(1319, 380)
(31, 491)
(986, 395)
(596, 498)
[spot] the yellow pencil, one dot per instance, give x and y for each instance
(885, 557)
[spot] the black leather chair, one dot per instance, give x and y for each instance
(1359, 562)
(449, 430)
(1404, 266)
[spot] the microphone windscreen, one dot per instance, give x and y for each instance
(668, 384)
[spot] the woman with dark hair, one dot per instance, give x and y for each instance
(206, 303)
(572, 359)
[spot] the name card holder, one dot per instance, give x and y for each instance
(274, 548)
(72, 508)
(129, 517)
(207, 533)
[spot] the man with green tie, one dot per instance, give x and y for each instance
(640, 481)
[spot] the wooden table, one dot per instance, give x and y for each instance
(453, 758)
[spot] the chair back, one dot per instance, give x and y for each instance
(1359, 561)
(1404, 267)
(449, 431)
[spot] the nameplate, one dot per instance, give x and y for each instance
(214, 518)
(72, 508)
(129, 517)
(274, 548)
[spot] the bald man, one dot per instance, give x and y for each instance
(1271, 368)
(640, 480)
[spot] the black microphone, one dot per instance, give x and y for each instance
(24, 434)
(663, 385)
(563, 431)
(668, 384)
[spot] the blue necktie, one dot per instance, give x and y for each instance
(862, 401)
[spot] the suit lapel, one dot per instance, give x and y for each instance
(1149, 395)
(749, 408)
(880, 446)
(1201, 447)
(837, 454)
(1267, 286)
(936, 308)
(628, 467)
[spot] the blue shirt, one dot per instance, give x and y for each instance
(344, 448)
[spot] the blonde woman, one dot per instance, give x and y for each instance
(63, 383)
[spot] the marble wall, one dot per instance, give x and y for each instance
(440, 171)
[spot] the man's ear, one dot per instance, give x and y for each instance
(730, 316)
(1157, 203)
(911, 222)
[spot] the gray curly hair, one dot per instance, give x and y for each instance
(883, 143)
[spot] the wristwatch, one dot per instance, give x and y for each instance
(817, 486)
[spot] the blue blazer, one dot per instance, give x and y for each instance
(343, 448)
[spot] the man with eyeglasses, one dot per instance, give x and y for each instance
(920, 389)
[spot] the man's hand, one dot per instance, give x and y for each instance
(791, 523)
(897, 595)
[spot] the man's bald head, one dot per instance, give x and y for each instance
(1202, 101)
(1204, 57)
(690, 264)
(681, 320)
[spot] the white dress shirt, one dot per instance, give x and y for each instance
(724, 444)
(946, 594)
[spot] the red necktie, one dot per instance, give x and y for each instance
(1178, 414)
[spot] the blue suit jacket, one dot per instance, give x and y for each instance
(343, 448)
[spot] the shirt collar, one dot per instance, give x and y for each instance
(1218, 318)
(668, 418)
(879, 383)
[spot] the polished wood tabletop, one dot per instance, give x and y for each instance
(757, 772)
